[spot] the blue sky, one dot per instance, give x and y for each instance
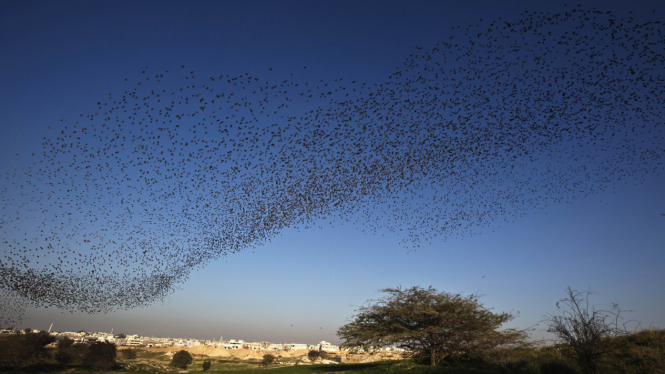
(60, 58)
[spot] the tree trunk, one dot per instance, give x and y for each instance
(432, 356)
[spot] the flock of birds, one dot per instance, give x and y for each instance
(502, 118)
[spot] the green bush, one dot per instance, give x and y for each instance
(181, 359)
(207, 364)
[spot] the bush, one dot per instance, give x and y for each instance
(314, 355)
(128, 354)
(20, 350)
(64, 358)
(267, 359)
(556, 368)
(100, 355)
(181, 359)
(206, 365)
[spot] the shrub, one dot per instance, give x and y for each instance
(100, 355)
(207, 364)
(19, 350)
(267, 359)
(556, 368)
(181, 359)
(128, 354)
(64, 358)
(314, 355)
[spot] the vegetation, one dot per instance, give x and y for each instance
(638, 353)
(314, 355)
(181, 359)
(206, 364)
(100, 355)
(129, 354)
(586, 330)
(267, 359)
(431, 323)
(24, 348)
(464, 333)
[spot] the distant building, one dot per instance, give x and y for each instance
(325, 346)
(234, 344)
(134, 340)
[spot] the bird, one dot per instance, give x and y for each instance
(499, 120)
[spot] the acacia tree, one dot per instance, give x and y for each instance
(431, 323)
(588, 331)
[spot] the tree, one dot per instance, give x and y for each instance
(588, 331)
(207, 364)
(313, 355)
(181, 359)
(430, 323)
(267, 359)
(100, 355)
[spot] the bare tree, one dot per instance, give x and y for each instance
(588, 331)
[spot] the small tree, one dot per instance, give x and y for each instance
(181, 359)
(207, 364)
(313, 355)
(267, 359)
(100, 355)
(588, 331)
(431, 323)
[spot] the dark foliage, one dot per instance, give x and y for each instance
(181, 359)
(100, 355)
(207, 364)
(588, 331)
(267, 359)
(22, 349)
(64, 358)
(430, 323)
(556, 368)
(128, 354)
(314, 355)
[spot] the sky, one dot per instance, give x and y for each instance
(60, 58)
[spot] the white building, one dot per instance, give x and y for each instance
(234, 344)
(134, 340)
(325, 346)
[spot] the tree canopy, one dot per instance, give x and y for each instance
(430, 323)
